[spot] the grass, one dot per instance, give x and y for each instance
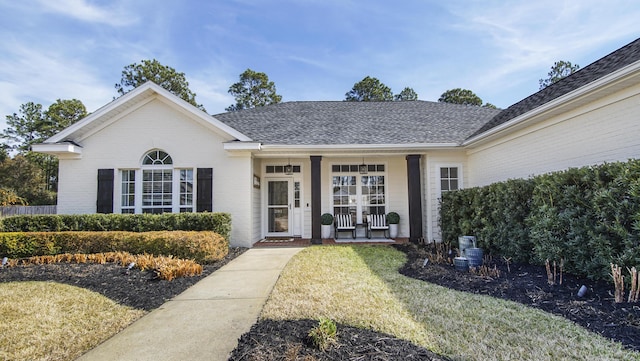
(52, 321)
(361, 286)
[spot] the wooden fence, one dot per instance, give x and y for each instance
(28, 210)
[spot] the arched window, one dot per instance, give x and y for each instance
(157, 187)
(157, 157)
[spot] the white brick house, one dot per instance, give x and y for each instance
(275, 169)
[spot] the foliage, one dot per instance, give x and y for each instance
(166, 268)
(590, 217)
(216, 222)
(407, 94)
(393, 218)
(8, 197)
(203, 246)
(460, 96)
(489, 105)
(325, 334)
(135, 74)
(26, 179)
(25, 127)
(369, 90)
(326, 219)
(253, 90)
(559, 70)
(32, 126)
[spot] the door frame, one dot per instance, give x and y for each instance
(265, 207)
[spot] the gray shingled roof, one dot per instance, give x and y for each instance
(340, 122)
(620, 58)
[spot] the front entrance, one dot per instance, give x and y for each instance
(278, 207)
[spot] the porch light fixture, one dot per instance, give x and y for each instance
(288, 169)
(363, 168)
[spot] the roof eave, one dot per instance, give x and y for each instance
(61, 150)
(539, 112)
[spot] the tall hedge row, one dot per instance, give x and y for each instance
(587, 216)
(217, 222)
(200, 246)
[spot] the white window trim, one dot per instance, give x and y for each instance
(437, 179)
(175, 188)
(358, 176)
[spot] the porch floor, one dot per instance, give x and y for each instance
(305, 242)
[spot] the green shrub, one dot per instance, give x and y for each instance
(589, 216)
(201, 246)
(217, 222)
(326, 219)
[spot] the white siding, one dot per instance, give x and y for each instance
(156, 125)
(603, 131)
(395, 186)
(434, 161)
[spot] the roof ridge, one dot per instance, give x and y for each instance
(607, 64)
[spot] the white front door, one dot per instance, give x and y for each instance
(279, 207)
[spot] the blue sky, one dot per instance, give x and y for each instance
(311, 49)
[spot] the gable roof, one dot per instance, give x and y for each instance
(131, 100)
(615, 61)
(361, 123)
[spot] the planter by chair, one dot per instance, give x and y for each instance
(326, 230)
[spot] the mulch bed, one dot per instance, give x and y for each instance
(526, 284)
(135, 288)
(288, 340)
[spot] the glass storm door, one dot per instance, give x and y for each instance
(278, 207)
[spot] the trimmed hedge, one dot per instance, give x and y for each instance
(217, 222)
(201, 246)
(590, 217)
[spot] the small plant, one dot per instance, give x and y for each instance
(393, 218)
(326, 219)
(486, 271)
(618, 282)
(439, 253)
(552, 276)
(324, 335)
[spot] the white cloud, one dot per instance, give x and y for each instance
(113, 15)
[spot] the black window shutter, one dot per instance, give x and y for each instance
(204, 201)
(104, 203)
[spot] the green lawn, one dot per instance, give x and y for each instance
(360, 286)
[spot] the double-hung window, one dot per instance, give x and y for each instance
(157, 187)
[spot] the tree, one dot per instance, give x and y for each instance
(559, 70)
(167, 77)
(62, 114)
(369, 90)
(32, 125)
(253, 90)
(25, 128)
(460, 96)
(489, 105)
(407, 94)
(26, 180)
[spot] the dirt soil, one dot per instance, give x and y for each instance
(288, 340)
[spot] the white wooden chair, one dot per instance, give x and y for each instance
(343, 223)
(377, 222)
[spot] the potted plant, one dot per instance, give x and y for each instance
(393, 219)
(326, 220)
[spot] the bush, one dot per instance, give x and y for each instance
(217, 222)
(326, 219)
(202, 246)
(589, 216)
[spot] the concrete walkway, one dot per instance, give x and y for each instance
(205, 321)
